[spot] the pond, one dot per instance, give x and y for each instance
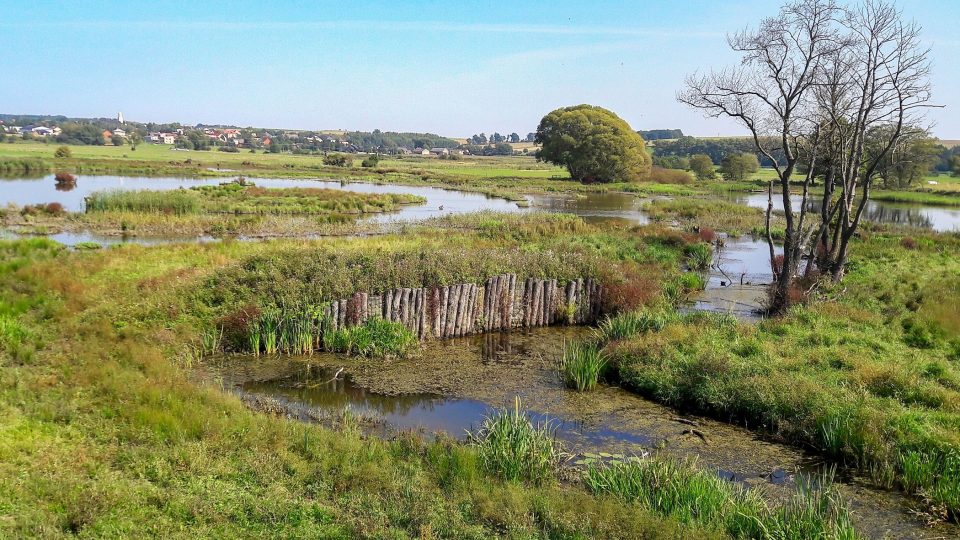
(936, 218)
(453, 384)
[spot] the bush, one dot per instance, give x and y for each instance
(670, 176)
(65, 178)
(337, 160)
(370, 161)
(63, 152)
(509, 445)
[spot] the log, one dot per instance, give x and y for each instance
(472, 312)
(334, 315)
(397, 298)
(568, 301)
(444, 311)
(511, 297)
(343, 313)
(405, 309)
(436, 310)
(451, 314)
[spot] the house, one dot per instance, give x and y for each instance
(421, 151)
(440, 151)
(402, 151)
(106, 134)
(120, 133)
(168, 138)
(13, 129)
(42, 131)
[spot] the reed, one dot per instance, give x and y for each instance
(512, 447)
(699, 256)
(581, 365)
(683, 491)
(179, 202)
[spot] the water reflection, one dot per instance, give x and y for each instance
(939, 219)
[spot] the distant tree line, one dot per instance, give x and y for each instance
(389, 141)
(496, 138)
(659, 134)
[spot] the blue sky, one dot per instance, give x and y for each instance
(454, 68)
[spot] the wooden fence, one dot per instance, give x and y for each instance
(501, 303)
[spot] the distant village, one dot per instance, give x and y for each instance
(109, 131)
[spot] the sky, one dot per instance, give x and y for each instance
(447, 67)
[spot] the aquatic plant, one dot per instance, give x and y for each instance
(178, 201)
(681, 490)
(699, 256)
(512, 447)
(375, 337)
(581, 365)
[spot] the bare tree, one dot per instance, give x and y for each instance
(772, 95)
(873, 98)
(813, 81)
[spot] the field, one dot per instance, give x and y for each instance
(115, 432)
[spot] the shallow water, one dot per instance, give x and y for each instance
(936, 218)
(439, 201)
(454, 383)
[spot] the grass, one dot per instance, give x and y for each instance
(866, 374)
(512, 447)
(581, 366)
(108, 431)
(375, 337)
(715, 214)
(26, 166)
(244, 198)
(699, 256)
(177, 202)
(682, 491)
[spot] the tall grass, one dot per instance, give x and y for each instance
(632, 323)
(511, 446)
(23, 166)
(699, 256)
(375, 337)
(178, 202)
(581, 365)
(680, 490)
(299, 330)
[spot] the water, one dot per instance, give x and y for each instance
(453, 384)
(623, 207)
(940, 219)
(439, 201)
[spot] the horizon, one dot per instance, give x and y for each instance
(378, 67)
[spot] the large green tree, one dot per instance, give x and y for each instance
(737, 167)
(594, 144)
(702, 167)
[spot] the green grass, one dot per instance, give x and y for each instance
(109, 432)
(682, 491)
(581, 366)
(178, 202)
(866, 374)
(244, 198)
(716, 214)
(512, 447)
(375, 337)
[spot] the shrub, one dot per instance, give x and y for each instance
(511, 446)
(63, 152)
(670, 176)
(53, 208)
(370, 161)
(179, 202)
(707, 234)
(908, 242)
(581, 365)
(337, 160)
(65, 178)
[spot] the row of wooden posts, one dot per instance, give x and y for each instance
(501, 303)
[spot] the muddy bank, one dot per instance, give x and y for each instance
(453, 383)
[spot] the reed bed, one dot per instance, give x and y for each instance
(178, 202)
(23, 166)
